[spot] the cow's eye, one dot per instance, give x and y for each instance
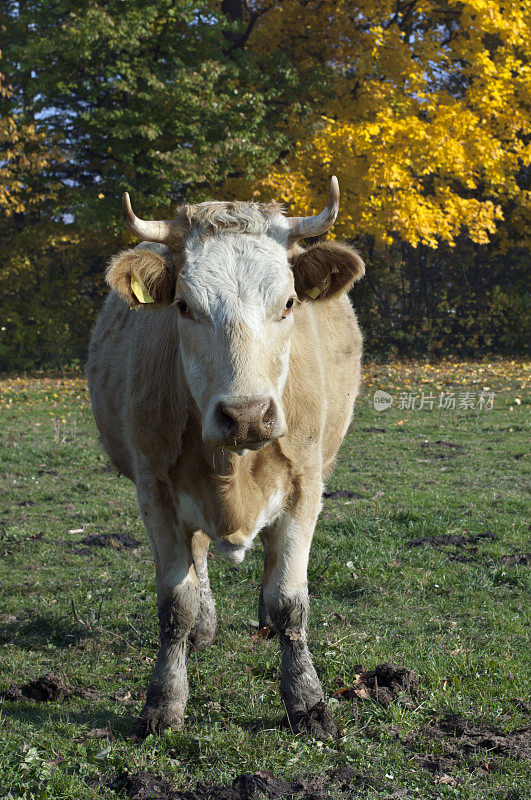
(183, 309)
(288, 307)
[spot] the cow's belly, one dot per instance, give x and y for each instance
(233, 546)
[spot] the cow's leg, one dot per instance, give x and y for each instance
(204, 630)
(178, 600)
(286, 599)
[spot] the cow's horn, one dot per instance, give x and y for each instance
(149, 230)
(302, 227)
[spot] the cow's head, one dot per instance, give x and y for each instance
(233, 275)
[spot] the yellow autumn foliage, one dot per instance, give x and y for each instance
(424, 115)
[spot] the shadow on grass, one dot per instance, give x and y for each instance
(42, 629)
(38, 631)
(258, 724)
(39, 714)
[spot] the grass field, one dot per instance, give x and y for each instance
(454, 610)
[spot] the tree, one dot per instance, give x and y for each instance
(145, 96)
(427, 116)
(149, 97)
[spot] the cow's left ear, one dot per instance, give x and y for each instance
(143, 276)
(326, 270)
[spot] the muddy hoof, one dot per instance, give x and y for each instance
(317, 722)
(156, 721)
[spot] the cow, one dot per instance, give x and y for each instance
(223, 369)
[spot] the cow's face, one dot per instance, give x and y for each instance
(231, 279)
(235, 296)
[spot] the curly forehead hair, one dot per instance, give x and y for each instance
(238, 216)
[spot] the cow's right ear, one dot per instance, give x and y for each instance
(131, 273)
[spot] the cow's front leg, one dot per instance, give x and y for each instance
(178, 600)
(285, 592)
(204, 630)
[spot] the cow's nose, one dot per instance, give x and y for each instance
(247, 421)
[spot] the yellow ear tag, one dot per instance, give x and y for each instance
(314, 292)
(140, 291)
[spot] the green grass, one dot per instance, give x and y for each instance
(461, 625)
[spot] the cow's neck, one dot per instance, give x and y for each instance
(231, 489)
(244, 484)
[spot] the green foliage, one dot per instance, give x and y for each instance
(49, 295)
(466, 300)
(145, 97)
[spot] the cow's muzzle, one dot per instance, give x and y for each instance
(243, 423)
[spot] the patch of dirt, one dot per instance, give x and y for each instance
(448, 539)
(516, 559)
(523, 705)
(118, 541)
(145, 786)
(387, 683)
(49, 687)
(441, 449)
(52, 688)
(432, 763)
(459, 740)
(341, 494)
(374, 430)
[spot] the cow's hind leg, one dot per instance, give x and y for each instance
(286, 598)
(178, 599)
(204, 629)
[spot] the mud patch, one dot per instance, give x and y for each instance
(460, 741)
(441, 449)
(51, 688)
(523, 705)
(387, 683)
(47, 688)
(342, 494)
(144, 786)
(516, 559)
(118, 541)
(450, 540)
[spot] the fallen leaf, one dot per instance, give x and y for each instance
(263, 633)
(98, 733)
(445, 780)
